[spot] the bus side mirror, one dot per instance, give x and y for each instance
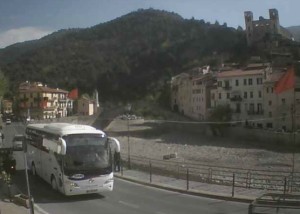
(115, 143)
(62, 146)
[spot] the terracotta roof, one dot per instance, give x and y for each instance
(239, 73)
(42, 89)
(274, 77)
(205, 76)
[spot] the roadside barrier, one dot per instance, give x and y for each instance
(282, 181)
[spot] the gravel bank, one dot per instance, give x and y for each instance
(148, 141)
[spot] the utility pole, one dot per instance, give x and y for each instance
(294, 134)
(31, 203)
(128, 108)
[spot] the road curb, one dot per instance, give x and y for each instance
(188, 192)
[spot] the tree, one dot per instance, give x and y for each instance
(3, 84)
(220, 116)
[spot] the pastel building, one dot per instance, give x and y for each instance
(39, 101)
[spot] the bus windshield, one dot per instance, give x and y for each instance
(86, 153)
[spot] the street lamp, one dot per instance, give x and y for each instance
(128, 108)
(31, 203)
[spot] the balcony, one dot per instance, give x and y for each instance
(236, 99)
(62, 100)
(227, 87)
(261, 112)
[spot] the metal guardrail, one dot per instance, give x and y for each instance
(282, 181)
(275, 203)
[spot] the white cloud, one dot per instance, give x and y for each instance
(21, 34)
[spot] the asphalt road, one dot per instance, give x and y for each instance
(126, 198)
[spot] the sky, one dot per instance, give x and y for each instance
(22, 20)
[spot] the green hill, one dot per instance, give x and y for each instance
(125, 58)
(295, 30)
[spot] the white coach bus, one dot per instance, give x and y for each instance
(74, 159)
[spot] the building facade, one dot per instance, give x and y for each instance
(190, 95)
(200, 100)
(7, 107)
(282, 110)
(38, 101)
(181, 92)
(242, 90)
(86, 106)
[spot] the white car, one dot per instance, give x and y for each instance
(8, 122)
(18, 141)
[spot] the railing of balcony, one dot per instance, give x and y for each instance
(236, 99)
(260, 112)
(227, 87)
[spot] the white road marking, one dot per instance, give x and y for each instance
(39, 209)
(129, 204)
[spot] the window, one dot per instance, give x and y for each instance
(228, 95)
(283, 101)
(259, 108)
(238, 108)
(219, 83)
(259, 81)
(251, 94)
(251, 107)
(250, 81)
(245, 94)
(226, 84)
(259, 94)
(267, 89)
(245, 81)
(270, 102)
(220, 96)
(271, 90)
(237, 82)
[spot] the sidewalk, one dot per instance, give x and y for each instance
(168, 183)
(194, 188)
(10, 207)
(7, 206)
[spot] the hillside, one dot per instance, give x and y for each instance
(125, 58)
(295, 30)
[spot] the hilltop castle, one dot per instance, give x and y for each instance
(264, 29)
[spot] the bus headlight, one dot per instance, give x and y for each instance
(109, 181)
(72, 184)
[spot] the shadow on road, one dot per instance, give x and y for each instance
(43, 193)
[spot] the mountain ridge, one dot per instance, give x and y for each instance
(125, 58)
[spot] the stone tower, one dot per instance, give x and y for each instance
(274, 18)
(249, 26)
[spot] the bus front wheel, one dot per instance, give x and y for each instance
(53, 183)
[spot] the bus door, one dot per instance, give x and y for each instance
(50, 164)
(45, 170)
(36, 154)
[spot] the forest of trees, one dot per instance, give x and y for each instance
(126, 58)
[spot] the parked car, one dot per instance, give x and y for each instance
(8, 121)
(18, 141)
